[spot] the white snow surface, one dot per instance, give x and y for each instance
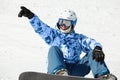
(21, 49)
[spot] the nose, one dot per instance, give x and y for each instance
(63, 27)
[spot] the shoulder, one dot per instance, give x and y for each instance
(80, 36)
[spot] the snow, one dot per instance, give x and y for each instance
(21, 49)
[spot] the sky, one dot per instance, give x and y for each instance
(21, 49)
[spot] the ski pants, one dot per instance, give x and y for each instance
(80, 68)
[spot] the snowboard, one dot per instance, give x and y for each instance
(45, 76)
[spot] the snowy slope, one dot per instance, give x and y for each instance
(21, 49)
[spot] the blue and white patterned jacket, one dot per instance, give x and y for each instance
(71, 44)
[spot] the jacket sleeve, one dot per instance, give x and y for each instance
(88, 44)
(47, 33)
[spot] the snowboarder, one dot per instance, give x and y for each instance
(67, 46)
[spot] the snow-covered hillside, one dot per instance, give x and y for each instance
(21, 49)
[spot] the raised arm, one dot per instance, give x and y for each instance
(47, 33)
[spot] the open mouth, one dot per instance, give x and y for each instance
(63, 27)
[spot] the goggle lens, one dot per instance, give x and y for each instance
(63, 22)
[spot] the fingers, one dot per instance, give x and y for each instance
(98, 56)
(23, 8)
(20, 14)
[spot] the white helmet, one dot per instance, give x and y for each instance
(69, 15)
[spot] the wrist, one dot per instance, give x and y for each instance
(31, 15)
(98, 48)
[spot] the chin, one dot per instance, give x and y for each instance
(66, 31)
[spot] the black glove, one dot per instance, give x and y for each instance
(98, 54)
(25, 12)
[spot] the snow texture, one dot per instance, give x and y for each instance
(21, 49)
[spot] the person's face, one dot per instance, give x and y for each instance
(64, 24)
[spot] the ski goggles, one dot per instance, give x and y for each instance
(64, 22)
